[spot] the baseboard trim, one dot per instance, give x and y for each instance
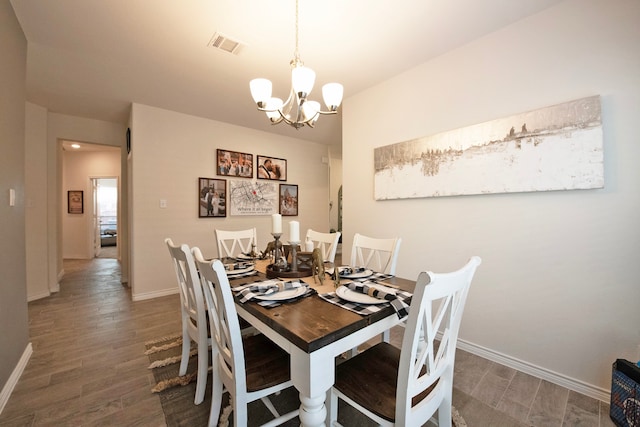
(15, 376)
(38, 296)
(155, 294)
(578, 386)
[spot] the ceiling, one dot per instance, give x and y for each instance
(92, 58)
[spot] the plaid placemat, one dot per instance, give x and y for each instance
(366, 309)
(373, 278)
(240, 275)
(265, 287)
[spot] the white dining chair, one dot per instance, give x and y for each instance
(327, 242)
(407, 386)
(194, 315)
(233, 243)
(249, 367)
(378, 254)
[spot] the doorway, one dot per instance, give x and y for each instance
(105, 221)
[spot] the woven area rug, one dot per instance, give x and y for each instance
(177, 393)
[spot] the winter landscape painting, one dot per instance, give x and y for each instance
(553, 148)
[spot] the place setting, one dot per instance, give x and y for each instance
(368, 297)
(240, 269)
(357, 273)
(273, 292)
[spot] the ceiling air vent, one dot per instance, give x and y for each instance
(222, 42)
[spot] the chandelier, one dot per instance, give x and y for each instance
(297, 110)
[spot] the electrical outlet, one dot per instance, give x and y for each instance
(163, 203)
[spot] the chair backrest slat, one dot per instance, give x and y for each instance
(191, 295)
(327, 242)
(233, 243)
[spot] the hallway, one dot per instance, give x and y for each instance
(88, 366)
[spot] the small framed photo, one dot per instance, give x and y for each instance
(75, 202)
(288, 200)
(271, 168)
(212, 198)
(233, 163)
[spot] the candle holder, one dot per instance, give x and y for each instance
(294, 256)
(279, 263)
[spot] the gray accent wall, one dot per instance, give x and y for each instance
(14, 331)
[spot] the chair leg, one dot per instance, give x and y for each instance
(203, 369)
(332, 407)
(444, 412)
(240, 417)
(216, 396)
(186, 348)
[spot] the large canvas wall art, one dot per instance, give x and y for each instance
(253, 198)
(553, 148)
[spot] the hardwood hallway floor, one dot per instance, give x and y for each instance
(88, 366)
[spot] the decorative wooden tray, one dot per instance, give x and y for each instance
(287, 273)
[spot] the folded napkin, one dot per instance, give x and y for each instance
(267, 287)
(347, 271)
(237, 266)
(398, 305)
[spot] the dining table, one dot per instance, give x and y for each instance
(315, 332)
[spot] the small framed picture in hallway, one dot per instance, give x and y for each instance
(75, 202)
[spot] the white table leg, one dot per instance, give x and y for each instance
(312, 375)
(312, 411)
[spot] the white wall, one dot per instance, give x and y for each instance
(558, 291)
(36, 201)
(78, 169)
(170, 151)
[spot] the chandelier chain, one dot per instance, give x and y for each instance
(296, 54)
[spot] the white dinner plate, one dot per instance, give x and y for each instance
(240, 271)
(360, 275)
(283, 295)
(244, 257)
(353, 296)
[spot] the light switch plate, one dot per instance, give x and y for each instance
(12, 197)
(163, 203)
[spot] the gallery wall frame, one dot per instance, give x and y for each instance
(289, 199)
(559, 147)
(75, 201)
(271, 168)
(212, 198)
(252, 197)
(234, 164)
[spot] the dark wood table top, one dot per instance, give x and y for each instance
(311, 323)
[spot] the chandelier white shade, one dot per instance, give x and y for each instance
(297, 110)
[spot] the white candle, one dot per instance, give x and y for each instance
(294, 231)
(276, 224)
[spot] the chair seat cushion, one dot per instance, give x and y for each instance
(266, 364)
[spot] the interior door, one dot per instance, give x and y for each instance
(96, 218)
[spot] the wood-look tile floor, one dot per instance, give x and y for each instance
(88, 366)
